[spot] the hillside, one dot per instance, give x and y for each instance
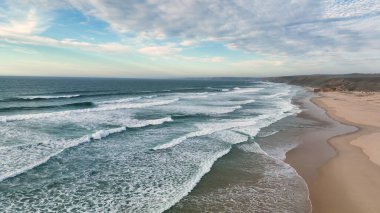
(350, 82)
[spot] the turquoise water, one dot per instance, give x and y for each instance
(125, 145)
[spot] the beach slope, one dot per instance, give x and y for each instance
(350, 181)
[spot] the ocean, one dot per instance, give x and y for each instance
(140, 145)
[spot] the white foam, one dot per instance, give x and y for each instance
(267, 134)
(281, 94)
(278, 189)
(244, 102)
(265, 120)
(165, 179)
(28, 162)
(204, 168)
(48, 97)
(270, 117)
(225, 90)
(104, 133)
(206, 129)
(195, 95)
(103, 107)
(142, 123)
(225, 110)
(150, 96)
(37, 154)
(252, 147)
(249, 130)
(245, 90)
(200, 109)
(123, 100)
(230, 137)
(107, 107)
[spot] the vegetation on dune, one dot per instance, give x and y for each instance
(350, 82)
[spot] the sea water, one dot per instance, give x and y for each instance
(140, 145)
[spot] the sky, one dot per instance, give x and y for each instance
(188, 38)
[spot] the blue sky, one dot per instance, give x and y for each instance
(188, 38)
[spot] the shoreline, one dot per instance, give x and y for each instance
(253, 169)
(313, 149)
(349, 180)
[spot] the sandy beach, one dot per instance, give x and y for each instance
(349, 180)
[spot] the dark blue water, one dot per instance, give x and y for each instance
(129, 145)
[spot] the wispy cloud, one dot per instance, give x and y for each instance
(18, 29)
(159, 50)
(30, 24)
(187, 43)
(65, 43)
(297, 34)
(258, 64)
(250, 25)
(203, 59)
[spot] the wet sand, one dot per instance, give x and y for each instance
(335, 153)
(248, 179)
(348, 181)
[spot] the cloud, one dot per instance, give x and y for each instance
(215, 59)
(232, 46)
(202, 59)
(65, 43)
(282, 26)
(29, 25)
(159, 50)
(187, 43)
(24, 28)
(294, 34)
(259, 63)
(103, 47)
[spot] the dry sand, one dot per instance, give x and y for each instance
(349, 181)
